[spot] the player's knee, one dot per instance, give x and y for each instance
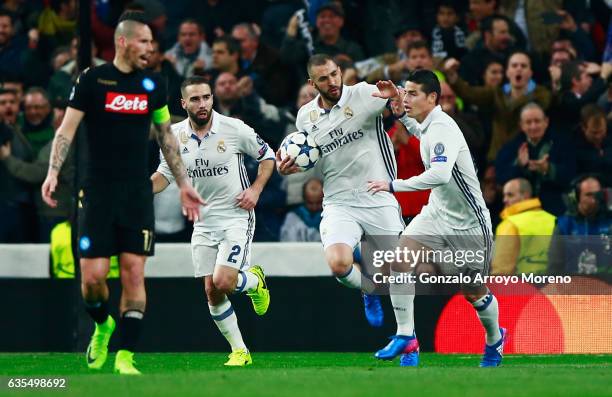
(339, 264)
(93, 279)
(132, 276)
(224, 282)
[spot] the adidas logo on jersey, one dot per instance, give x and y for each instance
(314, 128)
(185, 150)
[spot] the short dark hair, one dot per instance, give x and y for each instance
(448, 4)
(194, 80)
(487, 24)
(136, 16)
(428, 81)
(5, 13)
(417, 45)
(591, 111)
(38, 90)
(233, 46)
(318, 60)
(192, 21)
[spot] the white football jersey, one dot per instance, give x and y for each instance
(450, 173)
(216, 168)
(354, 146)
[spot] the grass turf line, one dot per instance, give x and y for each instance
(317, 374)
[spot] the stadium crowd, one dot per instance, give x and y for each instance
(524, 80)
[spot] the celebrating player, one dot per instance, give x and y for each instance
(456, 217)
(118, 101)
(213, 148)
(346, 123)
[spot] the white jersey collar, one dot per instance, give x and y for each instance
(429, 117)
(343, 99)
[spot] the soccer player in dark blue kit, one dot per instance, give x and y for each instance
(118, 101)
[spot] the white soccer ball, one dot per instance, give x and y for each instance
(301, 147)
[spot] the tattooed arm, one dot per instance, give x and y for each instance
(59, 151)
(170, 148)
(190, 199)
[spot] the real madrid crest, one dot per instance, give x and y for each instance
(348, 112)
(314, 115)
(221, 146)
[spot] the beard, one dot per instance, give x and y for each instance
(199, 121)
(329, 97)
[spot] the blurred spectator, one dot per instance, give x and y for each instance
(545, 159)
(154, 13)
(497, 45)
(159, 64)
(9, 108)
(190, 54)
(391, 66)
(302, 223)
(493, 74)
(62, 80)
(225, 59)
(16, 206)
(468, 123)
(581, 83)
(528, 16)
(217, 17)
(262, 64)
(327, 40)
(57, 22)
(237, 98)
(274, 21)
(34, 173)
(37, 121)
(523, 237)
(447, 38)
(11, 46)
(15, 84)
(492, 194)
(581, 242)
(503, 103)
(594, 146)
(557, 59)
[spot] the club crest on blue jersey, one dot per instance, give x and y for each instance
(84, 243)
(148, 84)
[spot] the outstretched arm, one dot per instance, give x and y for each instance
(168, 144)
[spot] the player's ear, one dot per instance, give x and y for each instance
(183, 104)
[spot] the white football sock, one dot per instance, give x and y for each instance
(402, 300)
(247, 282)
(488, 312)
(227, 322)
(352, 278)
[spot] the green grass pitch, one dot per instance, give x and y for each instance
(316, 374)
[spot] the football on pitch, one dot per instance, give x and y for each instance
(301, 147)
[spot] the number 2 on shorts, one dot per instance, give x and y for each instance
(235, 251)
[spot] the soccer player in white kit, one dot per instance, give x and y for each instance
(213, 147)
(456, 217)
(346, 123)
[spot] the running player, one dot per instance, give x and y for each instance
(456, 217)
(212, 147)
(346, 122)
(118, 100)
